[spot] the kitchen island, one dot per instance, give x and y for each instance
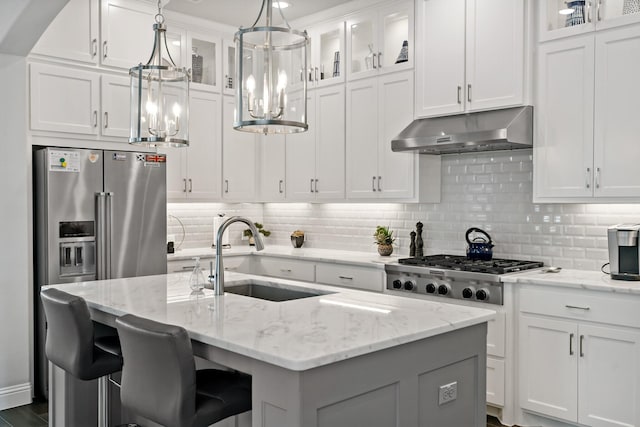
(341, 358)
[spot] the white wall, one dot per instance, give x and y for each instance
(15, 266)
(492, 191)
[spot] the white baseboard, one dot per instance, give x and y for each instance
(16, 395)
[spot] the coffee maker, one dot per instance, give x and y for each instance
(624, 257)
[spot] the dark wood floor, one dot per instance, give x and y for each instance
(35, 415)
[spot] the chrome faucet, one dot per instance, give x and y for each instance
(218, 278)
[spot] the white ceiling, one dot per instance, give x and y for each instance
(244, 12)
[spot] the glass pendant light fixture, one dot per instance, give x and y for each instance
(159, 96)
(271, 64)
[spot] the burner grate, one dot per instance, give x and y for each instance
(461, 263)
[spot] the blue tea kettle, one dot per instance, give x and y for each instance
(479, 247)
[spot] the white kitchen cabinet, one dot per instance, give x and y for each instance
(239, 160)
(326, 61)
(583, 364)
(193, 173)
(126, 32)
(470, 57)
(236, 263)
(115, 94)
(375, 39)
(586, 126)
(315, 160)
(378, 109)
(272, 168)
(64, 99)
(555, 21)
(73, 34)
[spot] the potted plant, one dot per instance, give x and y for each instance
(384, 239)
(247, 233)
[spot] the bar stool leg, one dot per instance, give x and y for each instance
(103, 401)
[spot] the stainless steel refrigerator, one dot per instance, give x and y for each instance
(98, 215)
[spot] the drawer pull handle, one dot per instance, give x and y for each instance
(230, 268)
(345, 278)
(188, 267)
(581, 345)
(577, 307)
(571, 344)
(285, 270)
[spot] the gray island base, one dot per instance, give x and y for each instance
(344, 358)
(395, 387)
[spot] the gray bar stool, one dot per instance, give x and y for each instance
(160, 381)
(72, 346)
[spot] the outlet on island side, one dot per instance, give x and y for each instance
(448, 393)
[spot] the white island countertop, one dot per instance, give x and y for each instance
(298, 334)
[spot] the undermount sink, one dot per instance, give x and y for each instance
(270, 293)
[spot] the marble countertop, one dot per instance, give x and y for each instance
(592, 280)
(366, 259)
(298, 335)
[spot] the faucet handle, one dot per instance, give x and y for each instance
(211, 277)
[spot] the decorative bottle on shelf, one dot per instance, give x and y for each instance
(412, 245)
(196, 66)
(404, 53)
(336, 64)
(419, 242)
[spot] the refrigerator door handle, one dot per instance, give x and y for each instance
(108, 208)
(100, 236)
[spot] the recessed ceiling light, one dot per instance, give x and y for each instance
(280, 4)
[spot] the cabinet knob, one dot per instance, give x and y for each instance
(459, 94)
(94, 48)
(104, 49)
(379, 185)
(469, 92)
(373, 184)
(106, 119)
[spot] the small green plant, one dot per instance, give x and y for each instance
(383, 236)
(247, 232)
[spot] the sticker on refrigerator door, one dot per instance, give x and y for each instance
(93, 157)
(120, 156)
(64, 161)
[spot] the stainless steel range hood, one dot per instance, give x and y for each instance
(507, 129)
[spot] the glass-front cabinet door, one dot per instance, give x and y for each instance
(204, 56)
(380, 41)
(561, 18)
(229, 66)
(326, 62)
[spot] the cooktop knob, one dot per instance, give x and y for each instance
(443, 290)
(397, 284)
(408, 285)
(431, 288)
(482, 295)
(467, 292)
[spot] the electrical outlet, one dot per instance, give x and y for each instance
(448, 393)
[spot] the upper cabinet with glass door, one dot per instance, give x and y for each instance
(380, 40)
(326, 62)
(562, 18)
(204, 52)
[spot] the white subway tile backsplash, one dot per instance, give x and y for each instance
(492, 191)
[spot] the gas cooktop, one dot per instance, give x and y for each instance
(462, 263)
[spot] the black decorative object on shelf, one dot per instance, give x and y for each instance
(404, 53)
(336, 64)
(412, 245)
(419, 242)
(196, 66)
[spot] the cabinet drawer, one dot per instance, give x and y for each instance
(369, 279)
(285, 268)
(579, 304)
(495, 381)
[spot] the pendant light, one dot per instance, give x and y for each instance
(159, 96)
(271, 63)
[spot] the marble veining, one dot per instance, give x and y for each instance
(591, 280)
(298, 335)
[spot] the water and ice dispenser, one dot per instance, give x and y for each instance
(77, 242)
